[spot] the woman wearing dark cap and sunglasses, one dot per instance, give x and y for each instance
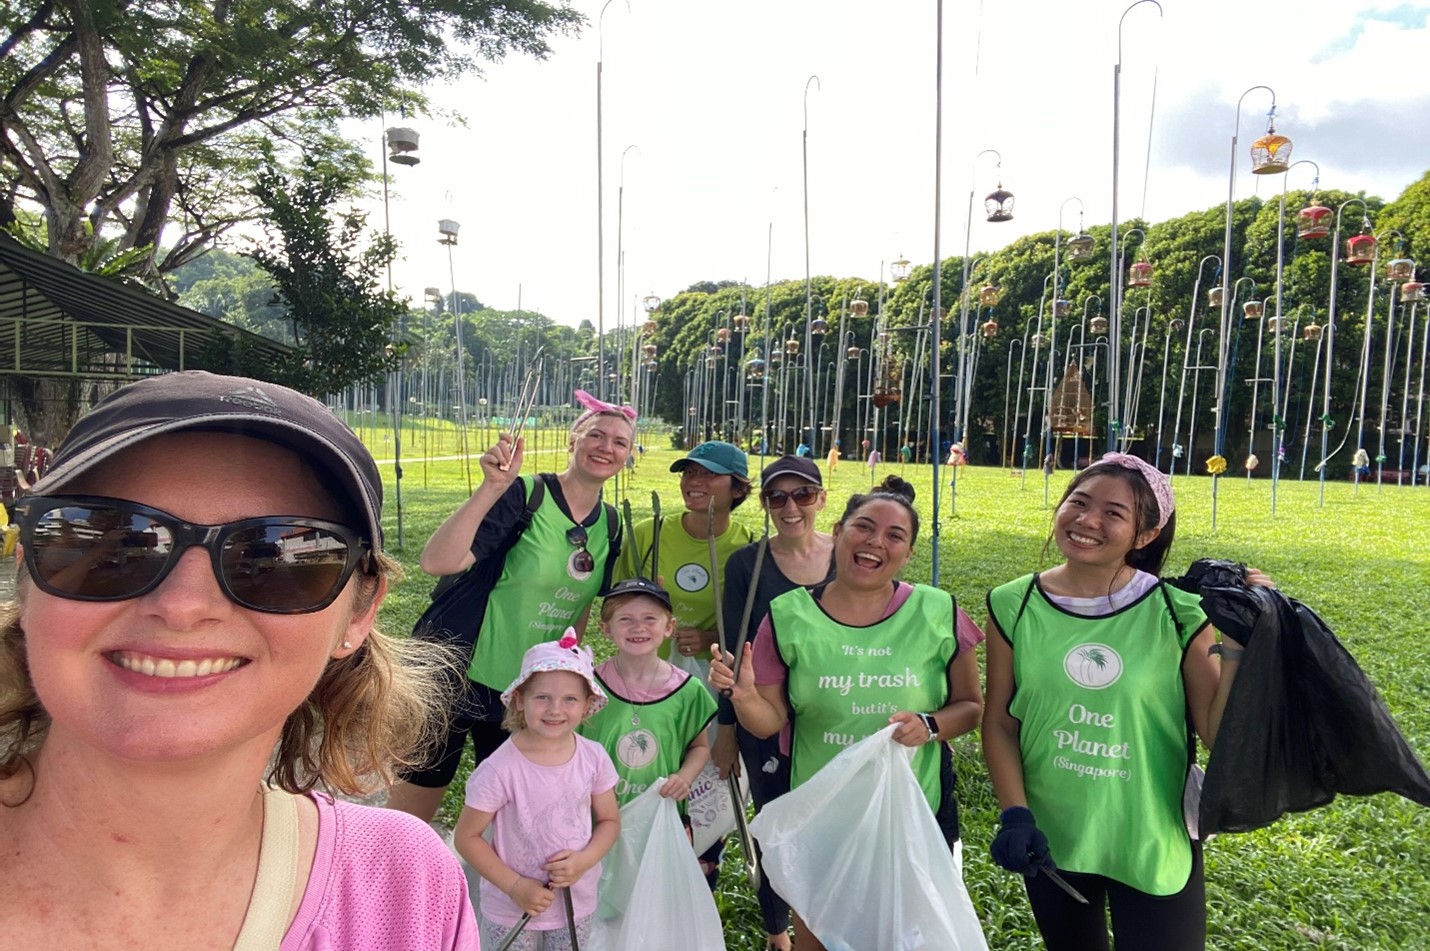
(522, 560)
(797, 556)
(191, 653)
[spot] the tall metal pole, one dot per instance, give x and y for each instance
(967, 265)
(1365, 350)
(1405, 390)
(769, 320)
(394, 383)
(808, 292)
(1053, 348)
(1219, 433)
(1187, 364)
(960, 407)
(1330, 335)
(839, 374)
(1420, 403)
(621, 259)
(600, 214)
(935, 416)
(1385, 379)
(1278, 421)
(1114, 375)
(450, 240)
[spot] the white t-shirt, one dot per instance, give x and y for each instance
(1141, 583)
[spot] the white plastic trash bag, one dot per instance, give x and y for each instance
(652, 895)
(858, 854)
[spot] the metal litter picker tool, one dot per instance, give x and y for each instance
(526, 400)
(515, 932)
(744, 631)
(1053, 876)
(654, 537)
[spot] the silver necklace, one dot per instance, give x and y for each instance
(630, 689)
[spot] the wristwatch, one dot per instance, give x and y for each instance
(931, 725)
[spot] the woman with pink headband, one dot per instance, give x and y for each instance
(521, 559)
(1098, 671)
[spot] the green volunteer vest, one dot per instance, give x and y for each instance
(1104, 730)
(647, 741)
(845, 682)
(539, 594)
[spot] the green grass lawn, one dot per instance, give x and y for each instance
(1354, 875)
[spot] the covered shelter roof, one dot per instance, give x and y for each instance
(59, 321)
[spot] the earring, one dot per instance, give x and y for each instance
(347, 645)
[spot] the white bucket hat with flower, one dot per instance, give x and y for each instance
(565, 654)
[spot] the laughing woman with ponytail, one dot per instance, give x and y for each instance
(896, 644)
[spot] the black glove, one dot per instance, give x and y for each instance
(1020, 845)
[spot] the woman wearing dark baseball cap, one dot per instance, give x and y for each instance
(166, 714)
(798, 556)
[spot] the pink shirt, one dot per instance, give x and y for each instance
(381, 881)
(770, 667)
(641, 694)
(538, 812)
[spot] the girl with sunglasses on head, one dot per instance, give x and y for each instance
(896, 645)
(191, 654)
(521, 559)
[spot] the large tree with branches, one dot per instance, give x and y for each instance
(138, 123)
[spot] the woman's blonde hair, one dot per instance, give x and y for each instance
(371, 713)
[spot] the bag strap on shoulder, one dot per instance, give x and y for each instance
(613, 523)
(534, 498)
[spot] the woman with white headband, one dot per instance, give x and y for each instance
(1099, 673)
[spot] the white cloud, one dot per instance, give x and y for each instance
(713, 97)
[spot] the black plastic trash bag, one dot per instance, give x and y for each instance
(1302, 721)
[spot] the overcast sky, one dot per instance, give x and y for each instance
(712, 96)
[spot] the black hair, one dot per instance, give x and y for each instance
(740, 487)
(1151, 556)
(892, 489)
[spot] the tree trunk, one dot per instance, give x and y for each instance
(46, 408)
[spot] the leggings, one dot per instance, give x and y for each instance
(767, 772)
(1140, 922)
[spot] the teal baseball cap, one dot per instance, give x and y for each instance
(720, 458)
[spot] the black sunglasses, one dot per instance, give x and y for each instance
(583, 560)
(804, 496)
(93, 548)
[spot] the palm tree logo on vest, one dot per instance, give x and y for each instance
(1093, 666)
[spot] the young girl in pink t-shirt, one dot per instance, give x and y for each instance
(549, 797)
